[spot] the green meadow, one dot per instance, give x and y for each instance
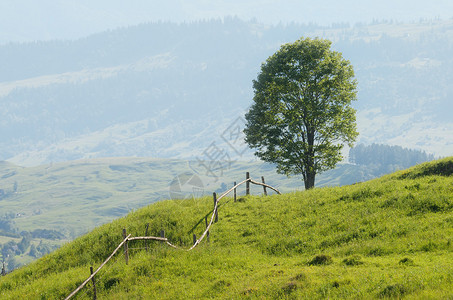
(390, 237)
(46, 206)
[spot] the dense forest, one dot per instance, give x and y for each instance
(384, 159)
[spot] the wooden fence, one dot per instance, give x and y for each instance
(162, 238)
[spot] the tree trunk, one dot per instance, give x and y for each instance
(310, 180)
(310, 173)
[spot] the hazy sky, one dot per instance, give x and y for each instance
(28, 20)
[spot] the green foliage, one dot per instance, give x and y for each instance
(345, 242)
(302, 113)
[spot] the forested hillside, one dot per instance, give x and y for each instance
(382, 159)
(171, 90)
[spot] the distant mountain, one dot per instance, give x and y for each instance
(180, 90)
(30, 20)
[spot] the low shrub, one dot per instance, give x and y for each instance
(320, 260)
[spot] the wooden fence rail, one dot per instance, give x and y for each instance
(98, 269)
(196, 242)
(265, 185)
(154, 238)
(216, 203)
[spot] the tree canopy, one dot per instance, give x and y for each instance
(302, 114)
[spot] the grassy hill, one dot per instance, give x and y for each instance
(74, 197)
(45, 206)
(388, 237)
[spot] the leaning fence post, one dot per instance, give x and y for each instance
(264, 187)
(235, 192)
(206, 222)
(94, 284)
(214, 195)
(126, 251)
(146, 234)
(247, 184)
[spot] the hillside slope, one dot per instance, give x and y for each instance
(74, 197)
(389, 237)
(43, 207)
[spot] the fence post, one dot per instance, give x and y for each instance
(247, 184)
(214, 195)
(264, 187)
(235, 192)
(94, 284)
(126, 251)
(206, 223)
(162, 234)
(146, 234)
(3, 269)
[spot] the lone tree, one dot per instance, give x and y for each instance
(302, 115)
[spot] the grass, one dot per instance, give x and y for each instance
(386, 238)
(74, 197)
